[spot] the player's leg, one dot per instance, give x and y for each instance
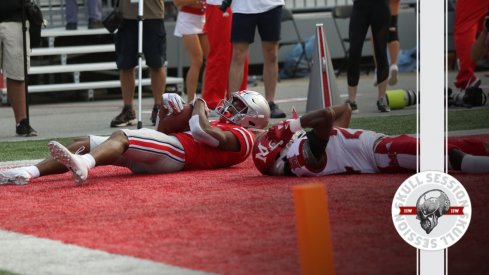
(469, 155)
(152, 152)
(394, 154)
(48, 166)
(104, 154)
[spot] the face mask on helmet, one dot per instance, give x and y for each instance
(248, 109)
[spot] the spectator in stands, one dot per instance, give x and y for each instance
(218, 29)
(154, 50)
(11, 62)
(94, 13)
(393, 44)
(376, 15)
(469, 15)
(266, 16)
(189, 26)
(480, 48)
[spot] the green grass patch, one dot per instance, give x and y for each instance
(468, 119)
(30, 149)
(391, 125)
(3, 272)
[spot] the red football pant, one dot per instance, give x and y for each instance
(469, 15)
(398, 153)
(218, 30)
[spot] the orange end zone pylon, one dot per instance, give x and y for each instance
(313, 230)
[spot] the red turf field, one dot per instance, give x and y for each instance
(231, 220)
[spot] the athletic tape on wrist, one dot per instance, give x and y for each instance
(295, 125)
(199, 134)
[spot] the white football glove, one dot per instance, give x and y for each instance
(173, 102)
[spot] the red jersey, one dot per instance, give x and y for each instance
(201, 156)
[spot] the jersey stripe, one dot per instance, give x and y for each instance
(157, 147)
(248, 138)
(164, 153)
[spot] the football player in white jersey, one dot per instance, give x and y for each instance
(331, 148)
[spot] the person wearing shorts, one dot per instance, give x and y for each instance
(266, 17)
(154, 51)
(189, 26)
(11, 62)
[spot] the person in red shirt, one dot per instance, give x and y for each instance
(207, 145)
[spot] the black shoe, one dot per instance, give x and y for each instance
(154, 113)
(353, 106)
(275, 111)
(24, 129)
(126, 118)
(383, 104)
(71, 26)
(95, 24)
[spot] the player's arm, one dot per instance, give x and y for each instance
(203, 132)
(342, 115)
(321, 121)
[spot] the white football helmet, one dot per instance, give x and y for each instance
(248, 109)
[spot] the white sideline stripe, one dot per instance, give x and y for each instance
(15, 163)
(26, 254)
(288, 100)
(302, 99)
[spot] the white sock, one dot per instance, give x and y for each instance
(89, 160)
(33, 171)
(475, 164)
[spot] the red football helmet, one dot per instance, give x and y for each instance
(265, 154)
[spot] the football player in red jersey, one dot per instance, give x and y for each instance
(331, 148)
(208, 145)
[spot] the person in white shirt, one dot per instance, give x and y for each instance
(266, 17)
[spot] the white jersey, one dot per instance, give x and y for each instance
(347, 151)
(255, 6)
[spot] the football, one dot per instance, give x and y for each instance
(174, 123)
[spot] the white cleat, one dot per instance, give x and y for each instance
(73, 162)
(15, 176)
